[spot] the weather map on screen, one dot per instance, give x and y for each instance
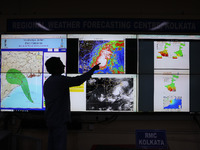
(105, 93)
(171, 90)
(171, 54)
(112, 51)
(172, 102)
(111, 93)
(172, 87)
(22, 68)
(21, 73)
(110, 55)
(171, 70)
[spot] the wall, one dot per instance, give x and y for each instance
(104, 9)
(89, 129)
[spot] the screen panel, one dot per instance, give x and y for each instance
(23, 71)
(113, 51)
(171, 63)
(171, 91)
(171, 55)
(105, 93)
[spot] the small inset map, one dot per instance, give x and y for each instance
(177, 50)
(172, 102)
(172, 87)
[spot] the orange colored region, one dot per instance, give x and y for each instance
(164, 53)
(117, 71)
(171, 89)
(120, 45)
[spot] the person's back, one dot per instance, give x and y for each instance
(57, 100)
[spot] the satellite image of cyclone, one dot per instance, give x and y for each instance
(110, 55)
(110, 94)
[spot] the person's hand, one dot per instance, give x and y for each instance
(96, 67)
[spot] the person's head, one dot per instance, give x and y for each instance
(55, 66)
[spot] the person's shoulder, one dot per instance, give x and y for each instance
(62, 77)
(56, 77)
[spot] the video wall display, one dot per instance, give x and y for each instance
(138, 73)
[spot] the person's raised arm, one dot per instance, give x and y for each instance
(78, 80)
(96, 67)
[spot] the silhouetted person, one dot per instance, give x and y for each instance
(57, 100)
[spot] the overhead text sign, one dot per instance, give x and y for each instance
(103, 25)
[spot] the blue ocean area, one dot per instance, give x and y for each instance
(17, 99)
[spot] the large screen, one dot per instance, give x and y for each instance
(116, 53)
(105, 93)
(170, 69)
(23, 71)
(171, 90)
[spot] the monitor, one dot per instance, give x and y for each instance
(106, 93)
(168, 64)
(114, 52)
(23, 71)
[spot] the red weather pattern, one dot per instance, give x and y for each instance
(164, 53)
(105, 54)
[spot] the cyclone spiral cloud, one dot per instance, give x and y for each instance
(110, 55)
